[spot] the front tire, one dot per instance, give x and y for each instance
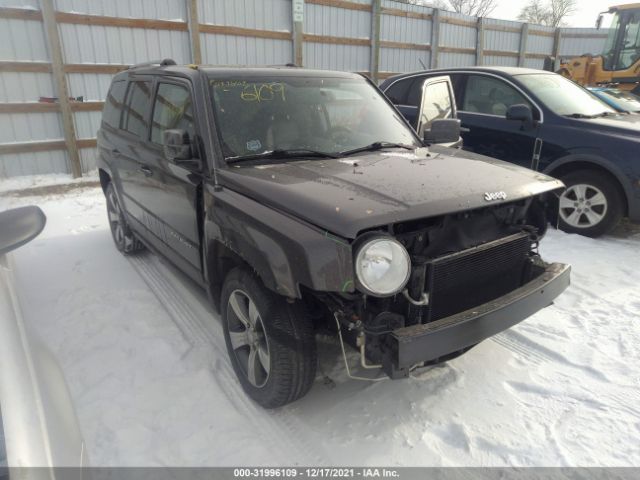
(271, 342)
(125, 240)
(592, 204)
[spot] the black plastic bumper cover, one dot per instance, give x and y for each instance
(427, 342)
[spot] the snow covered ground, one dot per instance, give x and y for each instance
(146, 364)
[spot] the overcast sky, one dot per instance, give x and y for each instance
(585, 16)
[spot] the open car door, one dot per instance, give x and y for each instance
(437, 116)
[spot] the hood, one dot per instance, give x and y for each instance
(622, 124)
(345, 196)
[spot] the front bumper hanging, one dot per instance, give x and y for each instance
(416, 344)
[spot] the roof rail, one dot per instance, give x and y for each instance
(162, 63)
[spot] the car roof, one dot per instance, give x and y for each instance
(503, 71)
(231, 71)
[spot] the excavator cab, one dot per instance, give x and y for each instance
(619, 62)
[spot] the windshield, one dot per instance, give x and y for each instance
(331, 115)
(564, 97)
(623, 100)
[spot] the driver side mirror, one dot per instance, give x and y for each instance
(443, 130)
(599, 22)
(19, 226)
(520, 112)
(177, 148)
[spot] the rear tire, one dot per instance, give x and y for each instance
(271, 342)
(125, 240)
(592, 205)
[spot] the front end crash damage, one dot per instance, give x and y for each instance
(472, 275)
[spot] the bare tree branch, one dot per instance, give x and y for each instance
(560, 9)
(552, 15)
(534, 12)
(474, 8)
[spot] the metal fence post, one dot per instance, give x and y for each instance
(194, 31)
(297, 23)
(374, 63)
(60, 80)
(557, 39)
(435, 37)
(480, 41)
(524, 36)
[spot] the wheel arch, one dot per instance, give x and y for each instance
(220, 260)
(105, 179)
(566, 165)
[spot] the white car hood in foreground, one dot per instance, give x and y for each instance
(39, 420)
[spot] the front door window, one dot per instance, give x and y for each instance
(490, 96)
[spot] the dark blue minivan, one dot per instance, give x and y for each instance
(546, 122)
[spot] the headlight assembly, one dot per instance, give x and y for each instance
(382, 266)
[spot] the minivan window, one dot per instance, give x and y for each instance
(136, 109)
(490, 96)
(173, 108)
(562, 96)
(113, 104)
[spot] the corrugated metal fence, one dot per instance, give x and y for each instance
(96, 39)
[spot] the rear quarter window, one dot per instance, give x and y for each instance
(136, 109)
(397, 93)
(113, 104)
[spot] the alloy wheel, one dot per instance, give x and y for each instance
(248, 338)
(583, 206)
(115, 218)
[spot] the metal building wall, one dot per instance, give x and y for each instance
(106, 45)
(337, 34)
(267, 15)
(396, 29)
(23, 40)
(321, 20)
(581, 43)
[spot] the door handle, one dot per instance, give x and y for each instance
(146, 170)
(115, 152)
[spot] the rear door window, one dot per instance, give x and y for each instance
(113, 104)
(173, 109)
(136, 109)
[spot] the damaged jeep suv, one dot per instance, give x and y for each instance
(302, 201)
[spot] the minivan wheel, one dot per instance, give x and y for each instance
(271, 342)
(123, 237)
(592, 204)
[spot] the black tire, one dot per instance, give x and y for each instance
(125, 240)
(577, 212)
(285, 329)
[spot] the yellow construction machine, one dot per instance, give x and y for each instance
(619, 63)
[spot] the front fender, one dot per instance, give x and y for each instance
(284, 251)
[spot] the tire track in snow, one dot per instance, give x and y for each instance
(538, 355)
(277, 427)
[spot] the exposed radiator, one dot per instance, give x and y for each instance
(469, 278)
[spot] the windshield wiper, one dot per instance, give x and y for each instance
(579, 115)
(606, 114)
(597, 115)
(377, 146)
(281, 154)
